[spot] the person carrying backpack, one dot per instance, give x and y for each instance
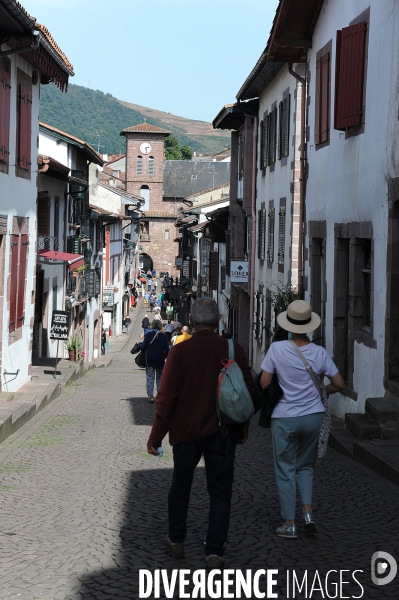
(186, 407)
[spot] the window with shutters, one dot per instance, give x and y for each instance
(18, 259)
(261, 144)
(266, 147)
(4, 115)
(97, 282)
(270, 237)
(241, 142)
(281, 239)
(322, 100)
(256, 307)
(349, 76)
(260, 327)
(151, 165)
(213, 269)
(261, 234)
(56, 223)
(273, 136)
(43, 219)
(283, 147)
(139, 165)
(24, 127)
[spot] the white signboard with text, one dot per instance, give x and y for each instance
(239, 271)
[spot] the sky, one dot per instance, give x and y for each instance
(185, 57)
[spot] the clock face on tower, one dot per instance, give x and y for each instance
(145, 148)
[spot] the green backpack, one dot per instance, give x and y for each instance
(234, 402)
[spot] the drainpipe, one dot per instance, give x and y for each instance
(253, 241)
(302, 179)
(33, 46)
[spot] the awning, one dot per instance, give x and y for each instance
(74, 260)
(143, 279)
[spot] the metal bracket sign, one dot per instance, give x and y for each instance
(59, 325)
(239, 271)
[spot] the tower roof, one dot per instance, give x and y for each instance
(145, 128)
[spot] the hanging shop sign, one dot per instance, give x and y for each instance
(178, 261)
(239, 271)
(186, 268)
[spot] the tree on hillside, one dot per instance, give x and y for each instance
(174, 152)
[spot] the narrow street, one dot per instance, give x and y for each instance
(84, 507)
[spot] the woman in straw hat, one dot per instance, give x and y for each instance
(298, 416)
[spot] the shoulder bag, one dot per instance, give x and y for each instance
(141, 358)
(327, 421)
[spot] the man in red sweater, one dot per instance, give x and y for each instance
(186, 408)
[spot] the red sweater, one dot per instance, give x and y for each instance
(186, 400)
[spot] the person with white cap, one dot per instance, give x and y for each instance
(298, 416)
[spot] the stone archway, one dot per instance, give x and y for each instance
(146, 261)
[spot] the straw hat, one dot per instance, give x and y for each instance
(298, 318)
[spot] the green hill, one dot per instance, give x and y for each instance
(99, 118)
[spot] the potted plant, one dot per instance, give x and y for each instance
(73, 345)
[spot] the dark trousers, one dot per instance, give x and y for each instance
(219, 456)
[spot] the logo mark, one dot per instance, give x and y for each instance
(383, 568)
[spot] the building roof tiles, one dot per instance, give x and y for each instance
(145, 128)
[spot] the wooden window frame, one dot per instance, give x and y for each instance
(323, 97)
(5, 94)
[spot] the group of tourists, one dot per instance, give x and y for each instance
(289, 392)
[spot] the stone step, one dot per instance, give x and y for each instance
(7, 396)
(363, 426)
(382, 456)
(341, 439)
(386, 413)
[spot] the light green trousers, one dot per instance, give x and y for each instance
(295, 441)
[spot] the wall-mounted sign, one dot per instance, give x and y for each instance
(59, 325)
(178, 261)
(239, 271)
(108, 297)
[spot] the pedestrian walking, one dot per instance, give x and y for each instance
(152, 302)
(186, 408)
(157, 346)
(298, 416)
(145, 323)
(185, 335)
(146, 299)
(153, 273)
(169, 329)
(155, 285)
(169, 312)
(127, 322)
(103, 340)
(149, 284)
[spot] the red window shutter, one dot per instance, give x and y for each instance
(25, 124)
(213, 270)
(23, 253)
(13, 282)
(325, 98)
(317, 103)
(4, 115)
(350, 76)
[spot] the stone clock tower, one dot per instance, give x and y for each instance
(145, 157)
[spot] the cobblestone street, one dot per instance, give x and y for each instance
(84, 507)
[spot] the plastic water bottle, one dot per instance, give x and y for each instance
(160, 451)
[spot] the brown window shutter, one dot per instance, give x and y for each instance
(262, 143)
(325, 98)
(273, 135)
(286, 125)
(213, 269)
(267, 142)
(349, 76)
(4, 115)
(280, 143)
(23, 253)
(317, 103)
(43, 215)
(13, 282)
(259, 232)
(24, 131)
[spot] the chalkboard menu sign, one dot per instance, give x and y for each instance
(59, 325)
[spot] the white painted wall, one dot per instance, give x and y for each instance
(348, 179)
(273, 186)
(18, 198)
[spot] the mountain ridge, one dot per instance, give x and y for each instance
(99, 117)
